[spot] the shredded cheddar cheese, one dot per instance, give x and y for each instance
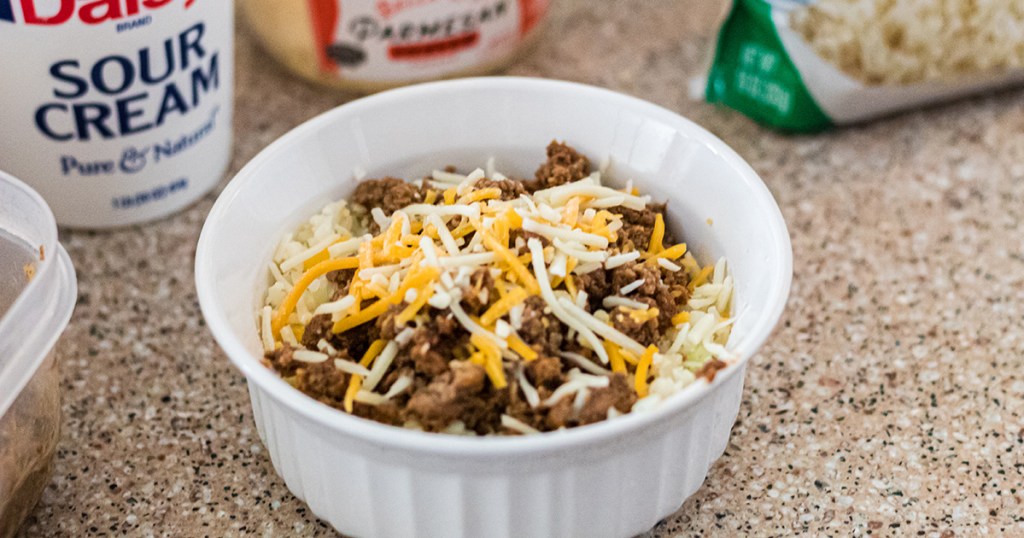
(516, 344)
(503, 305)
(680, 318)
(354, 384)
(641, 370)
(618, 364)
(657, 235)
(315, 272)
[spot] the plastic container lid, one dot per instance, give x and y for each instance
(36, 319)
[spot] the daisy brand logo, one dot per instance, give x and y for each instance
(58, 12)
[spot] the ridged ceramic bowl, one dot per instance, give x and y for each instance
(615, 478)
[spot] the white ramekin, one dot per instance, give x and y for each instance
(615, 478)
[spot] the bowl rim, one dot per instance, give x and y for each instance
(393, 437)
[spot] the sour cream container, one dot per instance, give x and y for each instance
(29, 376)
(116, 112)
(370, 45)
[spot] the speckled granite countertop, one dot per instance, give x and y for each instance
(889, 402)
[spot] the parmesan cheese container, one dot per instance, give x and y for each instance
(117, 112)
(369, 45)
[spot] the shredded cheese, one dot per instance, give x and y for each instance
(657, 235)
(640, 383)
(307, 278)
(503, 305)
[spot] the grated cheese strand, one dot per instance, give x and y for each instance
(307, 278)
(354, 383)
(657, 235)
(406, 315)
(492, 363)
(503, 305)
(640, 383)
(513, 262)
(617, 363)
(519, 346)
(557, 309)
(414, 280)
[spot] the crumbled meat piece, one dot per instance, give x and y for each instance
(341, 279)
(480, 293)
(678, 285)
(563, 414)
(628, 273)
(320, 380)
(564, 165)
(545, 372)
(283, 361)
(389, 194)
(597, 284)
(386, 322)
(459, 394)
(646, 332)
(560, 415)
(356, 340)
(519, 233)
(618, 394)
(654, 291)
(710, 369)
(510, 188)
(539, 329)
(388, 412)
(433, 344)
(319, 326)
(637, 227)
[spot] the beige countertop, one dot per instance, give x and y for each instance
(889, 402)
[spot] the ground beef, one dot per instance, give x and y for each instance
(545, 372)
(564, 165)
(655, 291)
(481, 292)
(563, 414)
(389, 194)
(518, 238)
(618, 394)
(597, 284)
(540, 330)
(637, 227)
(645, 332)
(462, 393)
(341, 279)
(710, 369)
(391, 412)
(433, 343)
(510, 188)
(678, 285)
(318, 327)
(356, 340)
(320, 380)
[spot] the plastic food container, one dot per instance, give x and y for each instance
(614, 478)
(29, 378)
(370, 45)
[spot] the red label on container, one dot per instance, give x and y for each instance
(325, 15)
(431, 49)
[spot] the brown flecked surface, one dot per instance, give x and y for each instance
(889, 402)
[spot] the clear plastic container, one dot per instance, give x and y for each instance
(30, 413)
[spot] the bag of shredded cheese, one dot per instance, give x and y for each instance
(805, 65)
